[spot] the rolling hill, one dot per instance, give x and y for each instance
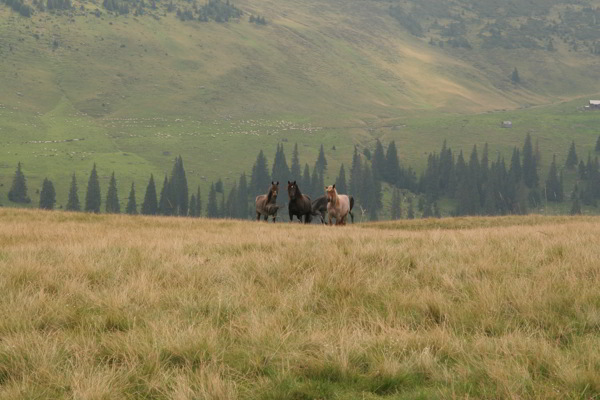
(145, 85)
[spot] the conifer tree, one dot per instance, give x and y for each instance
(150, 204)
(515, 165)
(392, 165)
(131, 208)
(371, 193)
(410, 212)
(179, 188)
(317, 186)
(354, 185)
(378, 161)
(198, 203)
(281, 171)
(112, 198)
(295, 171)
(212, 209)
(340, 181)
(73, 201)
(554, 189)
(92, 196)
(484, 165)
(395, 205)
(598, 145)
(321, 163)
(192, 209)
(165, 206)
(530, 176)
(47, 195)
(515, 78)
(260, 178)
(571, 157)
(231, 205)
(576, 205)
(242, 197)
(18, 189)
(306, 182)
(581, 170)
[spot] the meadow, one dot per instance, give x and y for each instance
(113, 307)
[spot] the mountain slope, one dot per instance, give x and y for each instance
(142, 88)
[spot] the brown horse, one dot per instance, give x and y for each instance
(338, 205)
(299, 205)
(266, 204)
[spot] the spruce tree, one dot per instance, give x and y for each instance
(321, 163)
(242, 197)
(47, 195)
(73, 201)
(93, 197)
(554, 190)
(112, 198)
(395, 205)
(392, 165)
(198, 203)
(231, 205)
(515, 78)
(378, 161)
(354, 185)
(131, 208)
(18, 189)
(260, 178)
(317, 186)
(530, 176)
(576, 206)
(165, 206)
(212, 209)
(178, 189)
(571, 157)
(193, 208)
(340, 181)
(281, 171)
(598, 145)
(306, 187)
(150, 204)
(515, 165)
(410, 212)
(295, 171)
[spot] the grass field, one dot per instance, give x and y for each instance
(112, 307)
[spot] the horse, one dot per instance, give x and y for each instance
(266, 204)
(319, 208)
(338, 205)
(299, 205)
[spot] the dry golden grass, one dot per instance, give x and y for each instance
(113, 307)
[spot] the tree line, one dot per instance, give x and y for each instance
(479, 186)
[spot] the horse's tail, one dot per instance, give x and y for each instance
(351, 205)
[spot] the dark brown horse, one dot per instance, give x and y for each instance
(299, 205)
(266, 204)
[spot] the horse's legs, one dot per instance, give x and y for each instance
(291, 216)
(258, 216)
(274, 217)
(351, 216)
(267, 218)
(322, 215)
(329, 216)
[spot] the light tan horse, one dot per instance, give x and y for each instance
(338, 205)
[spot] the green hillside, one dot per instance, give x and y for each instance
(144, 86)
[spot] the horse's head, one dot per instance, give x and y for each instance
(273, 190)
(331, 193)
(293, 190)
